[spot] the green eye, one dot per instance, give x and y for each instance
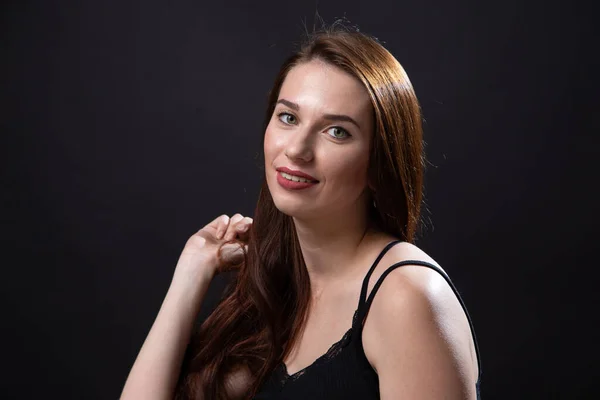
(340, 130)
(291, 120)
(286, 114)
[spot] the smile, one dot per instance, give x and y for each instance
(295, 178)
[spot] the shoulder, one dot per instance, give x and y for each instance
(421, 280)
(416, 329)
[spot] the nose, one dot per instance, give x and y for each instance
(300, 145)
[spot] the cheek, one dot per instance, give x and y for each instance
(349, 172)
(272, 144)
(268, 144)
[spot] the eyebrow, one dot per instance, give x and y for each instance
(331, 117)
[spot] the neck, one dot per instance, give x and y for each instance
(331, 246)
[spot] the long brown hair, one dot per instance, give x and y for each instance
(264, 307)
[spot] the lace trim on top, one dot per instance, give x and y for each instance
(333, 351)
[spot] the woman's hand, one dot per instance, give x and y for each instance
(156, 370)
(199, 258)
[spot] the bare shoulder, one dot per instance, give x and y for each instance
(418, 275)
(407, 251)
(416, 328)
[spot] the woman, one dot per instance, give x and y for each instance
(300, 319)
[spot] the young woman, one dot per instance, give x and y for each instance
(331, 299)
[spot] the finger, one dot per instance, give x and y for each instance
(222, 225)
(243, 228)
(231, 229)
(243, 224)
(234, 253)
(243, 234)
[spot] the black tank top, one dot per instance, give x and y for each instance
(344, 371)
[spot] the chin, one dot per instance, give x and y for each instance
(297, 210)
(287, 208)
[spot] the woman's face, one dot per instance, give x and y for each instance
(322, 125)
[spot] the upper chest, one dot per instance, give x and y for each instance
(330, 318)
(326, 324)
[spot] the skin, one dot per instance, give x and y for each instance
(416, 335)
(331, 217)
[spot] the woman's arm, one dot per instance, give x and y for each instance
(418, 339)
(156, 370)
(157, 366)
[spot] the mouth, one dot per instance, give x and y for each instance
(294, 183)
(296, 176)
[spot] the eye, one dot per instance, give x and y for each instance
(291, 120)
(339, 130)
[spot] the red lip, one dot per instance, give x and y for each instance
(296, 173)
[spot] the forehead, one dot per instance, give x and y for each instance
(324, 87)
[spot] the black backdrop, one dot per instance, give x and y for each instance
(127, 126)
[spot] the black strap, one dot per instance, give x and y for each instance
(365, 284)
(364, 306)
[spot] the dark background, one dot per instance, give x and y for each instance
(127, 126)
